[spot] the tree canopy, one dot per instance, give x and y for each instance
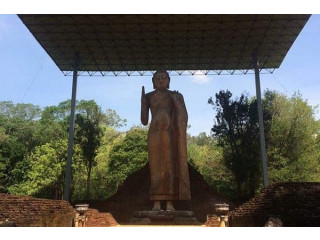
(236, 130)
(292, 139)
(33, 147)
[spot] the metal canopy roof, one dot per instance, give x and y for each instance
(110, 44)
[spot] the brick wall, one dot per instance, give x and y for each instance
(295, 203)
(27, 211)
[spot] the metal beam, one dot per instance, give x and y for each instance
(260, 116)
(71, 129)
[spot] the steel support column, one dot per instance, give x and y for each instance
(261, 125)
(71, 129)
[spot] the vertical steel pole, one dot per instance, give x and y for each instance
(71, 129)
(260, 116)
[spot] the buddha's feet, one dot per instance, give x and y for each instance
(156, 206)
(169, 206)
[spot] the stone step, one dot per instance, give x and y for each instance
(164, 218)
(140, 221)
(159, 214)
(163, 221)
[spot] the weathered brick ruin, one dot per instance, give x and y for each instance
(27, 211)
(98, 219)
(296, 204)
(24, 211)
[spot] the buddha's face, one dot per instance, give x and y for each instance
(161, 81)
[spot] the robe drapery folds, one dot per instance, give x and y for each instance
(167, 145)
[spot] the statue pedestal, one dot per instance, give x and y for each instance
(164, 218)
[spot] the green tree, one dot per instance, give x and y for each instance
(202, 139)
(90, 125)
(88, 134)
(206, 157)
(236, 131)
(53, 124)
(18, 123)
(113, 119)
(25, 111)
(100, 183)
(47, 168)
(127, 156)
(3, 135)
(25, 128)
(291, 138)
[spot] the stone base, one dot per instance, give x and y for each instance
(164, 218)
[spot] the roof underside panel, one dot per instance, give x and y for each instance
(172, 42)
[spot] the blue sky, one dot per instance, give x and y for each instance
(29, 75)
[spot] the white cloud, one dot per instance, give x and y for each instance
(201, 79)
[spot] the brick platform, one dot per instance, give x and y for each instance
(296, 204)
(27, 211)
